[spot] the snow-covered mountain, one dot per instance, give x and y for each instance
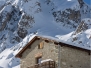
(20, 19)
(81, 36)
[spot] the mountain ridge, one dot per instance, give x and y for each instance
(20, 19)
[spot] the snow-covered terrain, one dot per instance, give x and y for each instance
(21, 20)
(81, 36)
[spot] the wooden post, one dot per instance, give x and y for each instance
(59, 57)
(49, 64)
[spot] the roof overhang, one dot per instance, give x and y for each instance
(19, 55)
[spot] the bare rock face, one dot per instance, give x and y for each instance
(82, 35)
(15, 39)
(8, 22)
(8, 17)
(5, 20)
(74, 15)
(81, 3)
(26, 21)
(84, 25)
(67, 16)
(22, 32)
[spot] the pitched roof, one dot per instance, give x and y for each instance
(48, 39)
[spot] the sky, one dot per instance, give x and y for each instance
(88, 1)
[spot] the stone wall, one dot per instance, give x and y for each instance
(74, 58)
(29, 56)
(70, 57)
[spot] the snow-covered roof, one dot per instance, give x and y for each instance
(52, 39)
(65, 42)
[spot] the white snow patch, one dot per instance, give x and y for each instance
(46, 60)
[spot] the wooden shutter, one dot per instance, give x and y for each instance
(41, 45)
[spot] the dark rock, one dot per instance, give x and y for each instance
(22, 32)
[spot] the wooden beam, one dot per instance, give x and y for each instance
(89, 52)
(20, 56)
(37, 38)
(47, 41)
(56, 43)
(29, 47)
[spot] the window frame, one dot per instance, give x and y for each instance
(37, 60)
(41, 45)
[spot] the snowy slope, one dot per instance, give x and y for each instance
(81, 36)
(21, 19)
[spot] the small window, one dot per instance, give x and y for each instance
(40, 46)
(38, 60)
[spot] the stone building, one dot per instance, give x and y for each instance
(41, 48)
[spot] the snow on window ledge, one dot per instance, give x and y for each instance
(46, 60)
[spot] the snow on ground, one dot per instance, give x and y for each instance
(64, 37)
(82, 38)
(7, 57)
(43, 18)
(46, 60)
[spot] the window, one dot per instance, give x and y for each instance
(38, 60)
(40, 46)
